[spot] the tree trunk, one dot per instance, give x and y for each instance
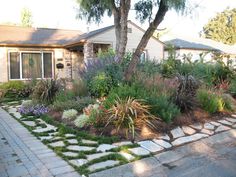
(163, 8)
(117, 29)
(116, 14)
(124, 11)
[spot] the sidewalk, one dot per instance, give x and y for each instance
(22, 154)
(211, 157)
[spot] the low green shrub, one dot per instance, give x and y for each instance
(232, 87)
(100, 84)
(162, 107)
(78, 105)
(64, 95)
(69, 114)
(213, 102)
(15, 89)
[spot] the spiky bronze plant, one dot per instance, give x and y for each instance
(129, 114)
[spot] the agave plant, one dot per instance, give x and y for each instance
(129, 114)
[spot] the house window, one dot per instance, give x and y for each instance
(129, 30)
(26, 65)
(143, 56)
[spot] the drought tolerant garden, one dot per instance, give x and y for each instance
(102, 120)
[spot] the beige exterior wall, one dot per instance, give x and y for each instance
(155, 49)
(59, 56)
(194, 53)
(3, 65)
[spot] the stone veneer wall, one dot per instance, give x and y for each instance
(88, 51)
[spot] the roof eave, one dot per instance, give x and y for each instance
(32, 45)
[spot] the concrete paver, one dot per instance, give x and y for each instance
(22, 154)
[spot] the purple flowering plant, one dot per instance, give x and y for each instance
(35, 110)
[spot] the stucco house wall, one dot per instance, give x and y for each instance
(180, 53)
(155, 48)
(59, 55)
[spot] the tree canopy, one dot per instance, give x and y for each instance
(222, 28)
(26, 18)
(152, 10)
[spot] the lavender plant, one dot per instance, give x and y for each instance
(35, 110)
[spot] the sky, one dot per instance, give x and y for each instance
(62, 14)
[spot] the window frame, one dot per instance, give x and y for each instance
(42, 63)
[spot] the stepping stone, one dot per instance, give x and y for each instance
(78, 162)
(97, 155)
(100, 165)
(29, 123)
(80, 148)
(139, 151)
(45, 138)
(70, 154)
(88, 141)
(72, 141)
(150, 146)
(206, 131)
(12, 110)
(128, 156)
(231, 120)
(122, 143)
(57, 144)
(188, 130)
(233, 115)
(209, 126)
(177, 132)
(17, 115)
(48, 128)
(162, 143)
(196, 126)
(164, 137)
(222, 128)
(215, 123)
(225, 122)
(187, 139)
(105, 147)
(68, 135)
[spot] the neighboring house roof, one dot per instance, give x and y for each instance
(183, 44)
(90, 34)
(202, 44)
(16, 35)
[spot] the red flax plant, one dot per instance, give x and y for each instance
(129, 114)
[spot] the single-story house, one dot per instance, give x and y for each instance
(47, 53)
(199, 46)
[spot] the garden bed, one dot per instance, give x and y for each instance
(103, 120)
(88, 153)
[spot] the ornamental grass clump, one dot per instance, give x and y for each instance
(69, 114)
(129, 114)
